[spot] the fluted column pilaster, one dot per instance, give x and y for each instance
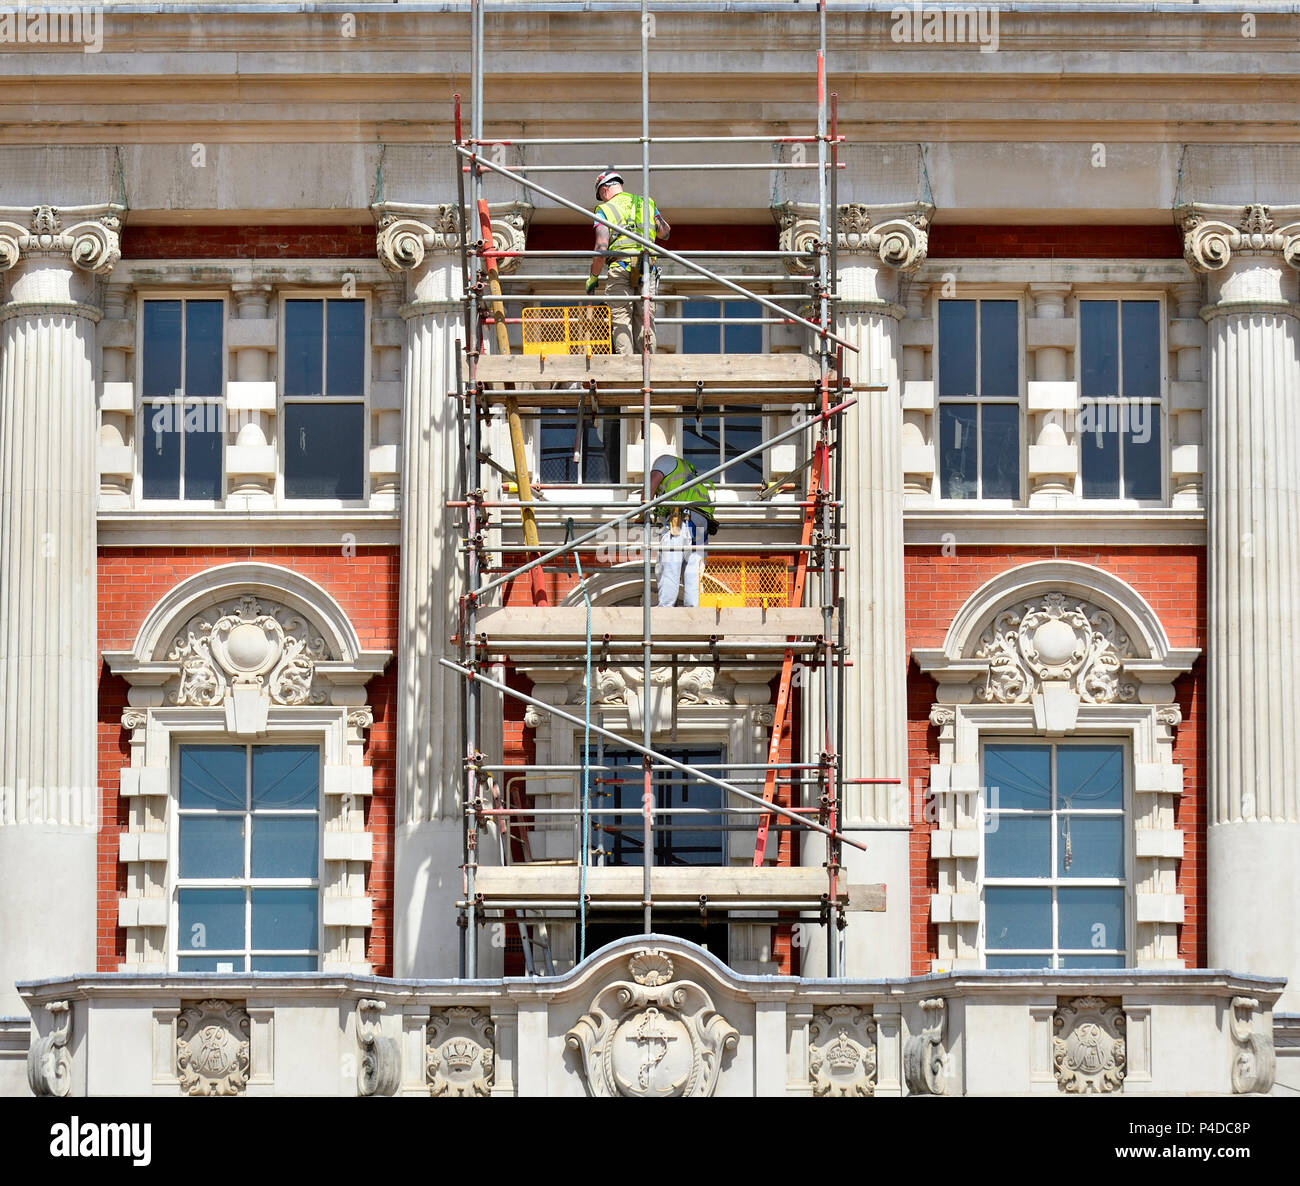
(1253, 518)
(49, 482)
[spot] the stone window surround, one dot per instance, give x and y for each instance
(155, 730)
(1146, 726)
(1047, 290)
(738, 716)
(253, 291)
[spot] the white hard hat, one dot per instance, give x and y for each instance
(606, 177)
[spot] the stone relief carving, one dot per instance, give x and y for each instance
(923, 1056)
(1210, 238)
(1088, 1051)
(1055, 639)
(651, 1037)
(402, 241)
(134, 718)
(900, 239)
(93, 243)
(942, 716)
(250, 642)
(381, 1059)
(617, 685)
(842, 1051)
(1254, 1060)
(49, 1067)
(460, 1054)
(212, 1042)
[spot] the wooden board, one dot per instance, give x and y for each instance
(623, 623)
(618, 378)
(669, 886)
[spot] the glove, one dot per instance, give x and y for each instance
(592, 281)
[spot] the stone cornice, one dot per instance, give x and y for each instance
(1213, 234)
(90, 238)
(408, 233)
(897, 234)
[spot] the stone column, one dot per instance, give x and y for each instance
(876, 245)
(1253, 514)
(48, 649)
(423, 242)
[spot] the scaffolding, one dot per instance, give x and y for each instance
(775, 606)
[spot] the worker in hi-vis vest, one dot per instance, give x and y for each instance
(624, 257)
(685, 524)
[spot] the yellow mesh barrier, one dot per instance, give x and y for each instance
(573, 329)
(728, 582)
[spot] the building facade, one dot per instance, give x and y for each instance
(1031, 650)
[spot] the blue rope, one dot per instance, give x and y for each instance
(586, 766)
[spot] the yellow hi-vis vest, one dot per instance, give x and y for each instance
(627, 210)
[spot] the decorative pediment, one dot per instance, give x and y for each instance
(246, 638)
(1056, 635)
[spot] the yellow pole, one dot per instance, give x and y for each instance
(523, 480)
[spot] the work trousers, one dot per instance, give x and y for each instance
(680, 560)
(625, 316)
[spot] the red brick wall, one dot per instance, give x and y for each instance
(1068, 241)
(131, 582)
(248, 242)
(1173, 582)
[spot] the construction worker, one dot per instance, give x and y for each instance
(685, 525)
(624, 256)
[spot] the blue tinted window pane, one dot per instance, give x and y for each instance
(1017, 917)
(1000, 432)
(559, 446)
(210, 963)
(742, 434)
(203, 453)
(702, 445)
(161, 365)
(600, 452)
(1018, 777)
(203, 356)
(958, 451)
(1091, 917)
(304, 344)
(1099, 344)
(1141, 337)
(1006, 962)
(212, 777)
(284, 963)
(1092, 961)
(1090, 776)
(999, 348)
(285, 919)
(1018, 847)
(346, 342)
(689, 846)
(286, 777)
(957, 348)
(1090, 847)
(284, 847)
(212, 846)
(160, 449)
(1142, 461)
(743, 339)
(1099, 457)
(210, 919)
(324, 449)
(701, 339)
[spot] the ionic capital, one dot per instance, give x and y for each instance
(88, 236)
(898, 234)
(1213, 235)
(407, 234)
